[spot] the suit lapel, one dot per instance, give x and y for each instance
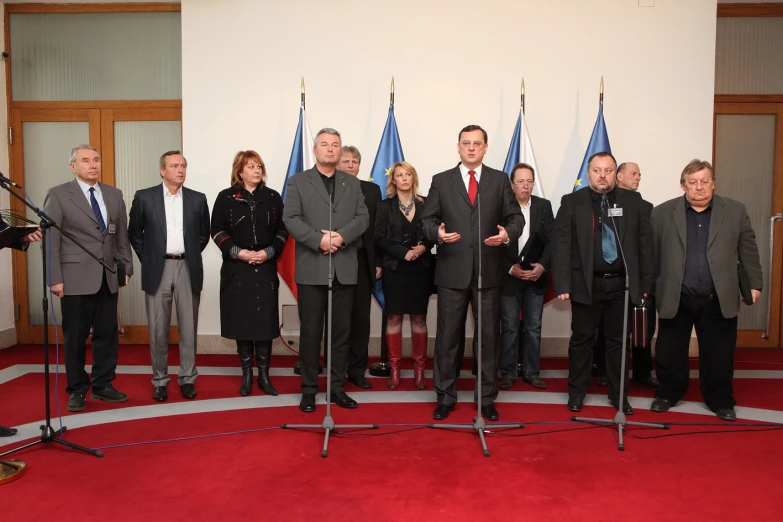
(78, 199)
(339, 185)
(716, 218)
(585, 222)
(159, 208)
(485, 182)
(315, 181)
(456, 178)
(678, 216)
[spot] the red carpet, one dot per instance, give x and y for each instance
(422, 474)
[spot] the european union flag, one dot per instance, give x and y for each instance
(389, 152)
(599, 142)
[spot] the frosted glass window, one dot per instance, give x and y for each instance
(138, 146)
(749, 56)
(96, 56)
(47, 149)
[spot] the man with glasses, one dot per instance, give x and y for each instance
(450, 217)
(524, 289)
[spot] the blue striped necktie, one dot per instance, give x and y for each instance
(97, 210)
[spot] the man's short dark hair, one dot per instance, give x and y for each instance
(471, 128)
(522, 166)
(602, 155)
(167, 154)
(695, 166)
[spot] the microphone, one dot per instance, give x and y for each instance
(8, 181)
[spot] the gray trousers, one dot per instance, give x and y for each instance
(175, 284)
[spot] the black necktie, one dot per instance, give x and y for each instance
(97, 210)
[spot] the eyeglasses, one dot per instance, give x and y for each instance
(523, 182)
(467, 144)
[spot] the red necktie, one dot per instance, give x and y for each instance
(472, 187)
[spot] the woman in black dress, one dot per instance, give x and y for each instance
(247, 226)
(407, 269)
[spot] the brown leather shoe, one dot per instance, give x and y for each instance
(506, 383)
(535, 382)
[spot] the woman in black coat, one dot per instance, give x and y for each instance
(407, 269)
(247, 226)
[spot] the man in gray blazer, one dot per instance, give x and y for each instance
(450, 216)
(699, 240)
(95, 215)
(315, 199)
(169, 228)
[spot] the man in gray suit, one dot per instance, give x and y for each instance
(450, 216)
(169, 228)
(699, 240)
(95, 215)
(315, 199)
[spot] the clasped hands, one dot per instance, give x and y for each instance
(527, 275)
(251, 257)
(330, 242)
(414, 253)
(452, 237)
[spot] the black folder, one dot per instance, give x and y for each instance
(12, 235)
(531, 252)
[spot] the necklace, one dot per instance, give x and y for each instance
(406, 209)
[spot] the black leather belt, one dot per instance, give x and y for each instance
(175, 256)
(608, 276)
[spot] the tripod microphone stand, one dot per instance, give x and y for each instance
(479, 425)
(328, 424)
(48, 433)
(619, 419)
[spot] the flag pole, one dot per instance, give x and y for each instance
(522, 95)
(601, 95)
(303, 93)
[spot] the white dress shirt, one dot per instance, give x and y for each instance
(98, 197)
(175, 238)
(466, 177)
(525, 231)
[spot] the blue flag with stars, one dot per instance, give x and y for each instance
(389, 152)
(599, 142)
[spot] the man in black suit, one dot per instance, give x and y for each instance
(450, 217)
(369, 272)
(587, 265)
(168, 229)
(524, 289)
(22, 245)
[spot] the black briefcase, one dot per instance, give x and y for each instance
(744, 284)
(120, 273)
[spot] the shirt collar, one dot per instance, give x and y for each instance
(526, 206)
(167, 193)
(86, 188)
(464, 171)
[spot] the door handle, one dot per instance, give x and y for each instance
(776, 217)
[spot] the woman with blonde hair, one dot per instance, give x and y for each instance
(407, 269)
(247, 227)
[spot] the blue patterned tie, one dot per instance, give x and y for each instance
(97, 211)
(608, 241)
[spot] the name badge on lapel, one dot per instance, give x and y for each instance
(112, 229)
(616, 212)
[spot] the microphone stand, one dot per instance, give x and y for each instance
(48, 434)
(478, 422)
(619, 419)
(328, 424)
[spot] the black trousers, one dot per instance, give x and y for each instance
(717, 338)
(642, 357)
(312, 307)
(606, 309)
(360, 320)
(452, 307)
(80, 313)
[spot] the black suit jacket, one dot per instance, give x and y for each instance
(573, 240)
(388, 234)
(448, 202)
(372, 197)
(147, 234)
(542, 221)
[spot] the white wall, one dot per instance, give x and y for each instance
(455, 62)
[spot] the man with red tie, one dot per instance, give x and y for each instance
(450, 217)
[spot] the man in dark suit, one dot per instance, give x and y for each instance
(168, 229)
(312, 197)
(628, 177)
(587, 266)
(524, 289)
(22, 245)
(699, 240)
(95, 215)
(450, 217)
(369, 272)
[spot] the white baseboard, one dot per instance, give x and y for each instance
(7, 337)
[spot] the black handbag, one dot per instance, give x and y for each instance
(744, 284)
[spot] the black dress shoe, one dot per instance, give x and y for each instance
(361, 382)
(442, 412)
(660, 405)
(108, 394)
(648, 381)
(160, 394)
(602, 381)
(76, 402)
(575, 403)
(342, 400)
(307, 404)
(489, 412)
(7, 432)
(727, 414)
(188, 391)
(626, 407)
(506, 383)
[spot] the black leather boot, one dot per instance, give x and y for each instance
(263, 356)
(245, 351)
